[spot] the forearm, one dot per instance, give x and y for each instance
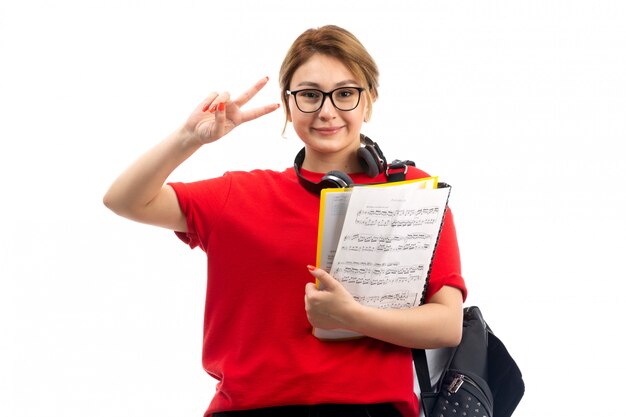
(431, 325)
(439, 323)
(142, 181)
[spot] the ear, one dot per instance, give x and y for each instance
(366, 111)
(287, 110)
(286, 107)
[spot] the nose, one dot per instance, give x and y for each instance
(327, 111)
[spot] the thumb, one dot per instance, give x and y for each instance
(323, 279)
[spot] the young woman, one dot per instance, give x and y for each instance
(259, 232)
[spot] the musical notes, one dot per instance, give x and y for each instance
(397, 218)
(398, 299)
(367, 242)
(369, 273)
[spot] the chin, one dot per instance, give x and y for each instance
(328, 146)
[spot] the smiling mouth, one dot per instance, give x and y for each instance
(328, 130)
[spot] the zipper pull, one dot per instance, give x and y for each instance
(456, 383)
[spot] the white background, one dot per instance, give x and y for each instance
(519, 105)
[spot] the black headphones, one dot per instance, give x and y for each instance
(371, 159)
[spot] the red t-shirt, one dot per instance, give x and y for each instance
(259, 231)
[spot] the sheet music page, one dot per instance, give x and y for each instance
(382, 253)
(387, 243)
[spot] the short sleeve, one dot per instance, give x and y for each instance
(446, 265)
(202, 203)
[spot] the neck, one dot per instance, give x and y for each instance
(347, 161)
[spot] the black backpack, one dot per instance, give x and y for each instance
(480, 377)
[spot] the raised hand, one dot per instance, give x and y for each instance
(217, 115)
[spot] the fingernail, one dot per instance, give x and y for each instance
(311, 267)
(213, 109)
(221, 107)
(205, 108)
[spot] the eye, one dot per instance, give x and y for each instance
(345, 92)
(346, 95)
(309, 94)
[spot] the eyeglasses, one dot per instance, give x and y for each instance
(311, 100)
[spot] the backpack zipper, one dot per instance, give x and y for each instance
(459, 380)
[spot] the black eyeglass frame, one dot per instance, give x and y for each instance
(324, 95)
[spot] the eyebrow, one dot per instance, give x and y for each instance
(316, 85)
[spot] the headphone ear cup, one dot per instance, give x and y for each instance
(368, 161)
(336, 179)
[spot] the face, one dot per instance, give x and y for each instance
(328, 133)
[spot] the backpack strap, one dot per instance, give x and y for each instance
(421, 370)
(396, 170)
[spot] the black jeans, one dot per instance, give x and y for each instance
(322, 410)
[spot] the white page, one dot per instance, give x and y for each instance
(335, 208)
